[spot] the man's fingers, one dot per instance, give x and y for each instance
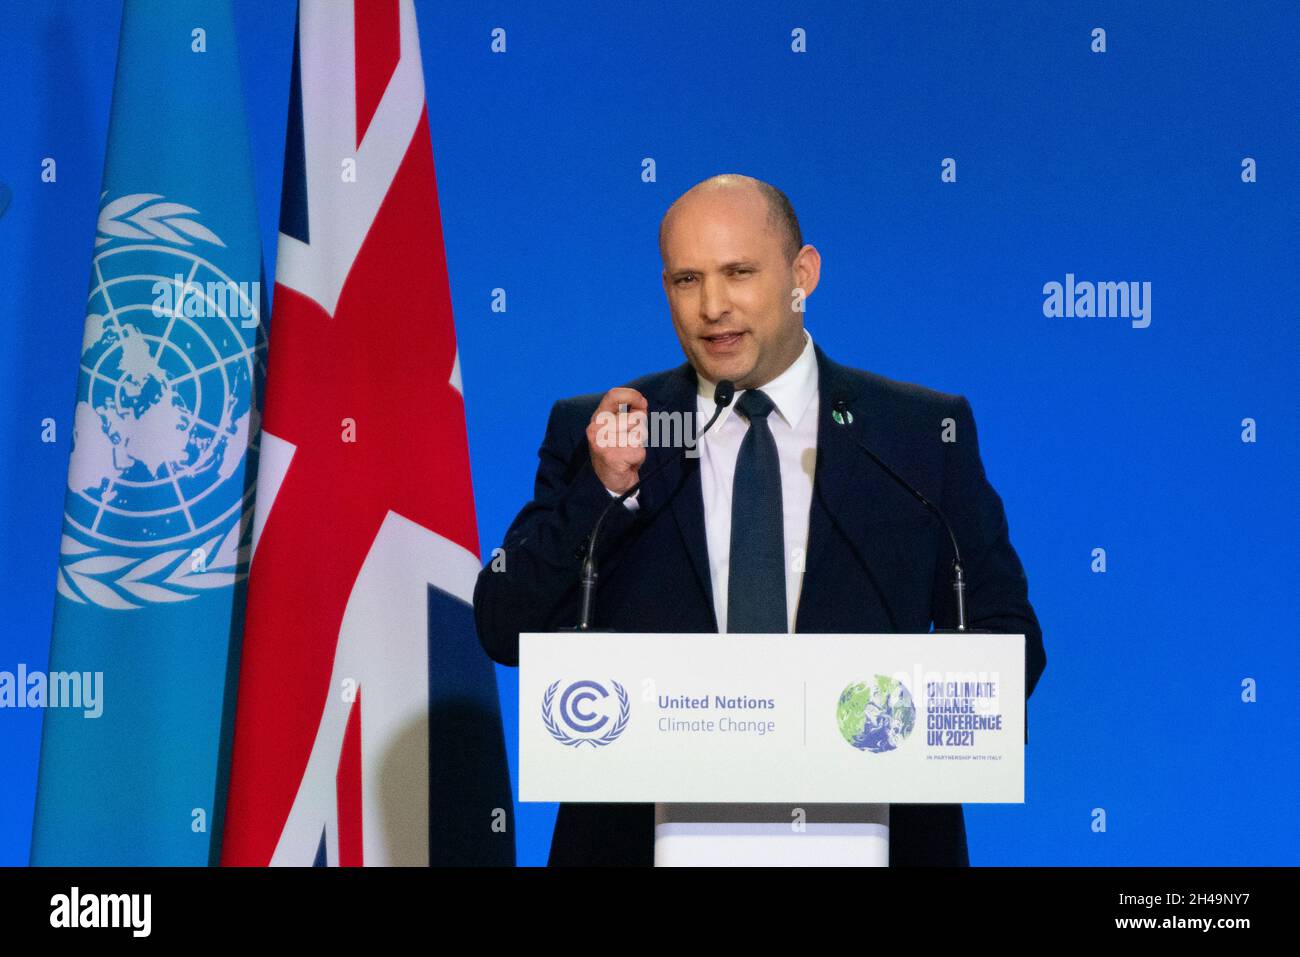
(633, 399)
(638, 429)
(618, 435)
(619, 430)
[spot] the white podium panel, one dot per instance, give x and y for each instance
(780, 719)
(764, 835)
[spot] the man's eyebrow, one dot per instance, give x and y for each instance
(736, 264)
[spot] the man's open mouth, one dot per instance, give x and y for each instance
(723, 340)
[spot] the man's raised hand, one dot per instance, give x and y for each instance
(617, 440)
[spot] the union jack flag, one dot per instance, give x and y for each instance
(368, 729)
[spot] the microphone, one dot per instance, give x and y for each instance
(842, 416)
(723, 393)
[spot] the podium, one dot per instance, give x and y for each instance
(771, 749)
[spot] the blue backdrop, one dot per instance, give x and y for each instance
(1125, 165)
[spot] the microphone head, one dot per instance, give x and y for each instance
(724, 392)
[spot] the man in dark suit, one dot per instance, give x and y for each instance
(699, 548)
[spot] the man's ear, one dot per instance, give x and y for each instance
(807, 269)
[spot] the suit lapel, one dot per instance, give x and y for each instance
(833, 475)
(679, 483)
(848, 489)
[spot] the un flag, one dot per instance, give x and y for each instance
(159, 501)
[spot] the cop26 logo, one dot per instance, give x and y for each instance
(576, 714)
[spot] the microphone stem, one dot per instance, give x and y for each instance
(588, 593)
(959, 586)
(958, 575)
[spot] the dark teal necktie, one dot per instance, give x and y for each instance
(756, 584)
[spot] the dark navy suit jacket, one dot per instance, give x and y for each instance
(877, 562)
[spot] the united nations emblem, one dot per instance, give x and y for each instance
(159, 501)
(580, 721)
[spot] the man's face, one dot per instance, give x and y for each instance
(729, 287)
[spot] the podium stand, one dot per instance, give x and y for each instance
(771, 749)
(762, 835)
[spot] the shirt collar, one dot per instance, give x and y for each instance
(790, 392)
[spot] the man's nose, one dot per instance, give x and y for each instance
(714, 303)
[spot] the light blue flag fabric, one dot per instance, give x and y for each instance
(158, 513)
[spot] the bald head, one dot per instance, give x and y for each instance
(780, 214)
(736, 275)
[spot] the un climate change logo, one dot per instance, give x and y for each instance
(577, 715)
(877, 715)
(159, 503)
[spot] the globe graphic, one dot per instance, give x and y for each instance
(876, 715)
(166, 400)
